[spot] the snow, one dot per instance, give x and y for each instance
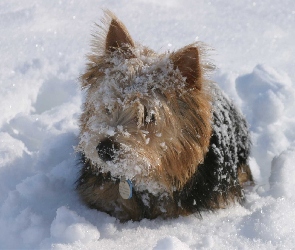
(43, 46)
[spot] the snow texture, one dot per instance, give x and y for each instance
(43, 47)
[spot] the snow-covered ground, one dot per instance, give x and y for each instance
(43, 46)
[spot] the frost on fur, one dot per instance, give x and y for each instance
(154, 119)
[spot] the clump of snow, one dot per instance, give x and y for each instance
(281, 180)
(268, 97)
(267, 94)
(170, 243)
(43, 47)
(68, 227)
(10, 149)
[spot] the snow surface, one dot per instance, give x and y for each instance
(43, 46)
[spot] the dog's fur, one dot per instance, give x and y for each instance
(158, 121)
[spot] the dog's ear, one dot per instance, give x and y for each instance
(118, 38)
(187, 61)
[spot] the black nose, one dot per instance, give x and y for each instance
(107, 148)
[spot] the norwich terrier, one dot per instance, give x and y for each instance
(157, 138)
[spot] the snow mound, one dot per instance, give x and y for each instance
(68, 227)
(10, 149)
(282, 176)
(267, 94)
(268, 98)
(170, 243)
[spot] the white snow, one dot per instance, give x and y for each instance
(43, 46)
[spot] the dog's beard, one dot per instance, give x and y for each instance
(131, 164)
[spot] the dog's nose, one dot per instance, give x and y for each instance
(107, 148)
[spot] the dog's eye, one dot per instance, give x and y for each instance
(108, 111)
(149, 116)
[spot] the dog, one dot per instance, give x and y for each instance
(157, 137)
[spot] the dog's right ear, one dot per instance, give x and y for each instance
(118, 38)
(187, 61)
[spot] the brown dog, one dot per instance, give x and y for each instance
(157, 138)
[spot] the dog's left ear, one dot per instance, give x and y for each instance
(118, 38)
(187, 61)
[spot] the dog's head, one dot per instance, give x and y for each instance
(146, 116)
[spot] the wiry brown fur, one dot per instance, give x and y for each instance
(196, 122)
(171, 140)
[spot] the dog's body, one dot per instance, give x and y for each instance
(156, 121)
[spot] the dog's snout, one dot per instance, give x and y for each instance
(107, 148)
